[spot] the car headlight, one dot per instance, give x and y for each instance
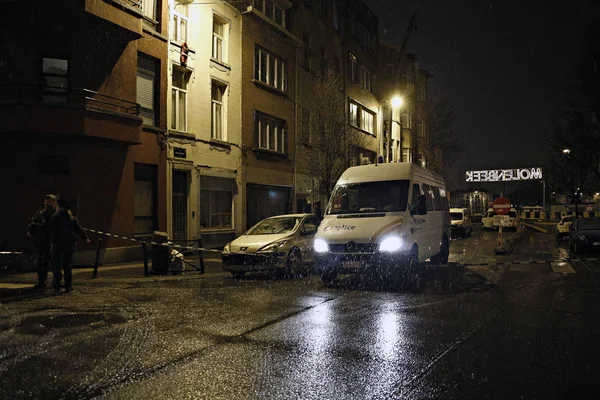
(320, 246)
(582, 238)
(226, 248)
(274, 246)
(390, 244)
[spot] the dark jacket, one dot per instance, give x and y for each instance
(39, 225)
(65, 229)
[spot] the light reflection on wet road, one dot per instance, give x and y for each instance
(491, 333)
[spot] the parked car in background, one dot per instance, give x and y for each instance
(562, 227)
(280, 243)
(584, 234)
(460, 218)
(487, 222)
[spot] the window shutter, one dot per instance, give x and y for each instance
(145, 90)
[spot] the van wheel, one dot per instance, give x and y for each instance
(412, 274)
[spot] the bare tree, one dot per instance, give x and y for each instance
(332, 139)
(445, 142)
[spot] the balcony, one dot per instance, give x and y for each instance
(126, 14)
(45, 109)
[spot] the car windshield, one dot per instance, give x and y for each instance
(456, 216)
(568, 219)
(589, 225)
(368, 197)
(273, 226)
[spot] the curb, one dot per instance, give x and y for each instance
(16, 288)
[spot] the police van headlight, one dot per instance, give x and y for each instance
(391, 244)
(320, 246)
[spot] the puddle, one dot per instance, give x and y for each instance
(40, 325)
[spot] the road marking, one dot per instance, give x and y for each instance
(562, 267)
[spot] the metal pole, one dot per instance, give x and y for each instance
(145, 254)
(95, 275)
(544, 196)
(200, 256)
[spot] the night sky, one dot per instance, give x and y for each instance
(500, 63)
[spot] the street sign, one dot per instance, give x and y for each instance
(501, 206)
(501, 220)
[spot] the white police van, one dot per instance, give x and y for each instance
(384, 218)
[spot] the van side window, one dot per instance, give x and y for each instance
(437, 201)
(428, 196)
(445, 205)
(416, 191)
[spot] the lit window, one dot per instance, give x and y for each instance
(353, 114)
(179, 24)
(366, 121)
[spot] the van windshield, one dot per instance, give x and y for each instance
(367, 197)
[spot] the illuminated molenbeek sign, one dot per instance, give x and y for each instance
(500, 175)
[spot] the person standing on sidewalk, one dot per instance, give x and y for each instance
(65, 230)
(39, 229)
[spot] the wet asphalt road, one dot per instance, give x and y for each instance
(519, 326)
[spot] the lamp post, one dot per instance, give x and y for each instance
(396, 102)
(544, 195)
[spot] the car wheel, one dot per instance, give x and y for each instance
(294, 266)
(238, 274)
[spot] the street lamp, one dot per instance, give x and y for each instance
(397, 102)
(566, 151)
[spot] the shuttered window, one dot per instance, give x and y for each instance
(146, 88)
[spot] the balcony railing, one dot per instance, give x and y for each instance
(87, 99)
(135, 4)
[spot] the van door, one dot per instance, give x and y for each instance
(418, 230)
(433, 227)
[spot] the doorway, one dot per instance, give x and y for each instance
(180, 194)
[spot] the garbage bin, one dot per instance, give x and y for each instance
(160, 253)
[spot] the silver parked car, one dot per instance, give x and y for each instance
(283, 242)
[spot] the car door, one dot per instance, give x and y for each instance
(307, 236)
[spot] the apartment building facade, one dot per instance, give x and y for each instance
(204, 179)
(268, 108)
(340, 36)
(83, 117)
(404, 128)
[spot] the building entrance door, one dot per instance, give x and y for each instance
(180, 205)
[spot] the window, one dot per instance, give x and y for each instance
(366, 79)
(270, 132)
(307, 50)
(144, 198)
(149, 8)
(218, 44)
(271, 10)
(437, 201)
(421, 128)
(179, 100)
(422, 92)
(428, 196)
(270, 69)
(218, 112)
(336, 16)
(147, 93)
(55, 73)
(406, 119)
(352, 68)
(444, 198)
(416, 191)
(353, 114)
(305, 126)
(216, 202)
(179, 23)
(366, 121)
(406, 155)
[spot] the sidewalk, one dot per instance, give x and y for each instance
(18, 284)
